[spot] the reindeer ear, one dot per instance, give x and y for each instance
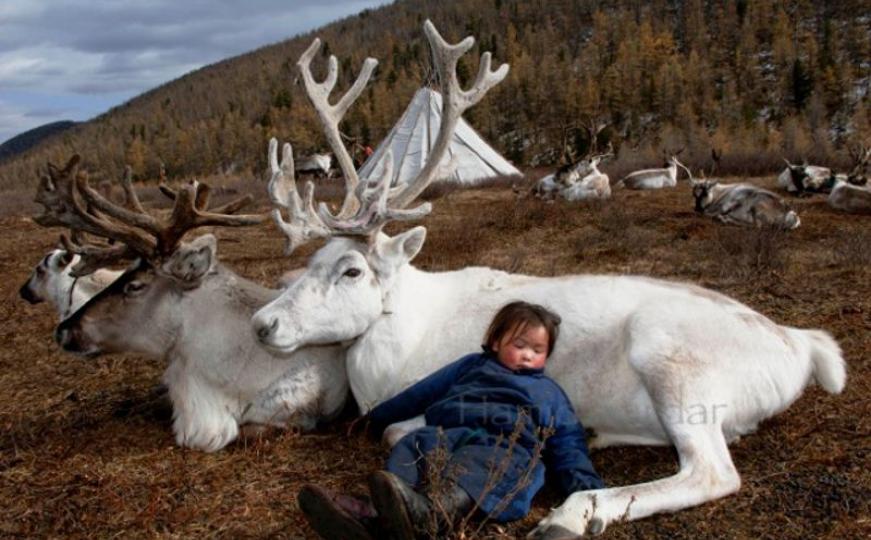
(65, 258)
(401, 248)
(193, 260)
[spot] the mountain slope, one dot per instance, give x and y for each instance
(32, 137)
(756, 79)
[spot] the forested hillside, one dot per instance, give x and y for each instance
(30, 138)
(756, 79)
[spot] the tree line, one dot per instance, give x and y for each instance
(756, 79)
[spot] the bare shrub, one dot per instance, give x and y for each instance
(527, 212)
(437, 190)
(613, 219)
(751, 251)
(18, 202)
(441, 476)
(452, 246)
(624, 243)
(852, 250)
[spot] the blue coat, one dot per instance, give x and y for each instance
(472, 407)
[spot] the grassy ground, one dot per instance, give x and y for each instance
(86, 451)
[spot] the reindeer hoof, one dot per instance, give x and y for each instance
(552, 532)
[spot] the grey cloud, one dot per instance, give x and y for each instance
(179, 33)
(95, 49)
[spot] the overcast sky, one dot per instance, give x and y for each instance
(74, 59)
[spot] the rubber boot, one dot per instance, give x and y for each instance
(451, 506)
(333, 519)
(405, 514)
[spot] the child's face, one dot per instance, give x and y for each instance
(526, 349)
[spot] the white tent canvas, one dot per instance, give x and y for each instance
(468, 160)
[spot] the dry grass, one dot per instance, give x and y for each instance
(86, 452)
(751, 252)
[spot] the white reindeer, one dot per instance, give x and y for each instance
(317, 164)
(550, 185)
(51, 281)
(800, 179)
(653, 178)
(743, 204)
(581, 180)
(850, 198)
(593, 185)
(177, 302)
(644, 361)
(851, 192)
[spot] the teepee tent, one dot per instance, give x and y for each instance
(468, 160)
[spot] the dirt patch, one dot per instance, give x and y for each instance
(86, 448)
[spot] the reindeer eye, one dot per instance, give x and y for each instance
(352, 272)
(134, 287)
(40, 271)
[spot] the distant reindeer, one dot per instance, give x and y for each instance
(654, 178)
(852, 193)
(317, 164)
(593, 184)
(804, 179)
(580, 180)
(550, 186)
(743, 204)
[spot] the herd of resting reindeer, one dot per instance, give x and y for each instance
(739, 204)
(644, 361)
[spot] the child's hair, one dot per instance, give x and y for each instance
(514, 317)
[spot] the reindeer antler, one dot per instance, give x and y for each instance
(455, 101)
(64, 206)
(93, 257)
(594, 126)
(860, 154)
(306, 224)
(609, 152)
(367, 208)
(331, 115)
(70, 201)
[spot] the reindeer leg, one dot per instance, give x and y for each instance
(706, 469)
(201, 415)
(286, 402)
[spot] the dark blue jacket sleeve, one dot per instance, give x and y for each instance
(566, 457)
(414, 400)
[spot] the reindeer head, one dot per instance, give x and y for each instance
(798, 174)
(348, 283)
(136, 313)
(702, 192)
(162, 260)
(596, 159)
(50, 279)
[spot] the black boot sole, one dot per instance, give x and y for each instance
(327, 519)
(390, 505)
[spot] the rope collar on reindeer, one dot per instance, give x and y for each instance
(69, 309)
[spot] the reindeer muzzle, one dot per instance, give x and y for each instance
(69, 336)
(26, 293)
